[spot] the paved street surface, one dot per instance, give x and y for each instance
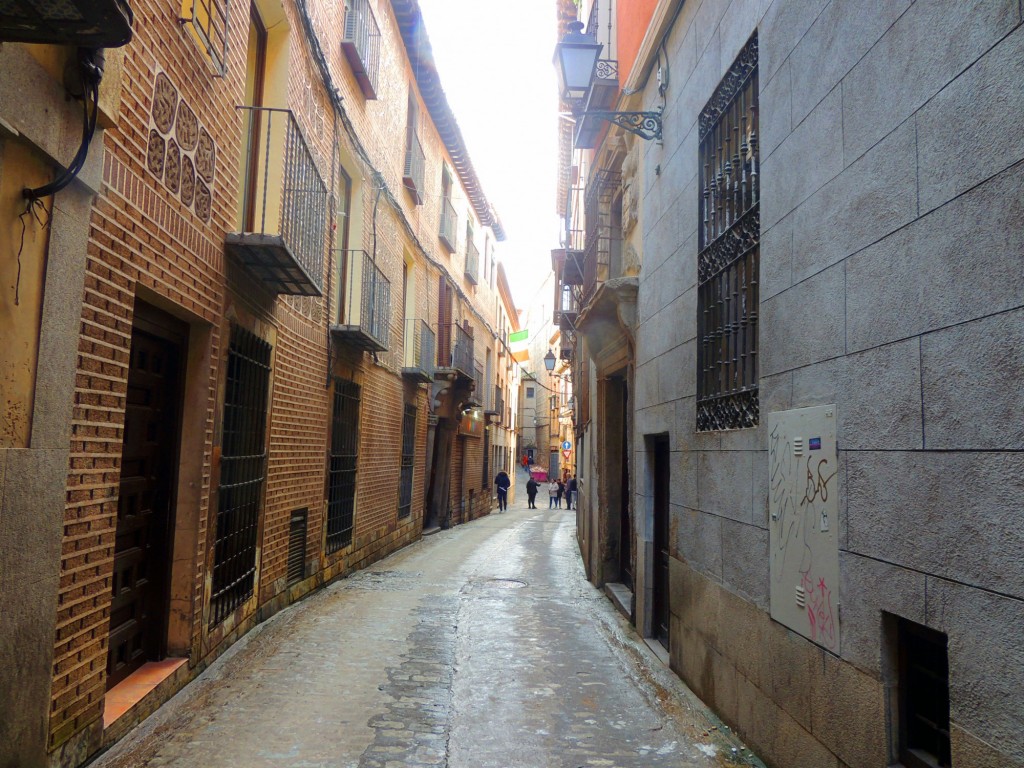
(476, 647)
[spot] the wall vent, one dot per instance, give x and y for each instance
(297, 546)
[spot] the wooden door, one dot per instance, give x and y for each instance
(138, 612)
(661, 544)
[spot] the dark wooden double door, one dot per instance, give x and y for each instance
(142, 548)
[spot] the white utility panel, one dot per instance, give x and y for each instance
(803, 508)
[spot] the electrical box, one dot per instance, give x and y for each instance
(803, 508)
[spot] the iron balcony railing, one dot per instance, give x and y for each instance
(460, 343)
(499, 403)
(568, 308)
(449, 220)
(419, 349)
(284, 206)
(602, 236)
(361, 44)
(472, 262)
(412, 176)
(365, 303)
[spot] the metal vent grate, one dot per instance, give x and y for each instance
(297, 545)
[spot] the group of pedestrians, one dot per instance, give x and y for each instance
(556, 490)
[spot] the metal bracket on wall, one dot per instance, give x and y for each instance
(646, 125)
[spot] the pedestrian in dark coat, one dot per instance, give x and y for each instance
(502, 482)
(561, 490)
(571, 488)
(531, 492)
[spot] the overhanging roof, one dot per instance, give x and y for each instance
(421, 57)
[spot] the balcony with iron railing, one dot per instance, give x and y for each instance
(568, 345)
(454, 352)
(419, 348)
(567, 307)
(415, 162)
(449, 221)
(495, 405)
(472, 262)
(365, 303)
(601, 236)
(283, 219)
(567, 264)
(361, 45)
(604, 93)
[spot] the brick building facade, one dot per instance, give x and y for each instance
(263, 321)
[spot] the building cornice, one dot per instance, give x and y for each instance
(421, 58)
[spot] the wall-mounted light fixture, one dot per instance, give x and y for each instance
(86, 23)
(575, 63)
(549, 361)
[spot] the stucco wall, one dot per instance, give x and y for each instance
(890, 287)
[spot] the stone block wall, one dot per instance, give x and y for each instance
(891, 287)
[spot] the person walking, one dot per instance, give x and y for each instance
(561, 492)
(571, 489)
(502, 482)
(526, 463)
(553, 497)
(531, 492)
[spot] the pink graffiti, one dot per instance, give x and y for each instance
(820, 615)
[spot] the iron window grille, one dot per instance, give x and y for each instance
(415, 163)
(472, 257)
(449, 218)
(341, 471)
(208, 20)
(361, 44)
(728, 261)
(242, 472)
(408, 455)
(924, 696)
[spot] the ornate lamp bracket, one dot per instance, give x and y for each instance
(646, 125)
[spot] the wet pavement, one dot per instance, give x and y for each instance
(479, 646)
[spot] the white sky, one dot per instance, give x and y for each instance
(494, 59)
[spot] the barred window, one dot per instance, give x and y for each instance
(341, 472)
(242, 471)
(728, 260)
(408, 454)
(207, 20)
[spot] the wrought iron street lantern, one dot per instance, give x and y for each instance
(549, 360)
(575, 63)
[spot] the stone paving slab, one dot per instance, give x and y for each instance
(480, 646)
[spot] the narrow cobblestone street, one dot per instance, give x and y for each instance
(478, 646)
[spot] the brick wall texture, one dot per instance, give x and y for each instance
(145, 244)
